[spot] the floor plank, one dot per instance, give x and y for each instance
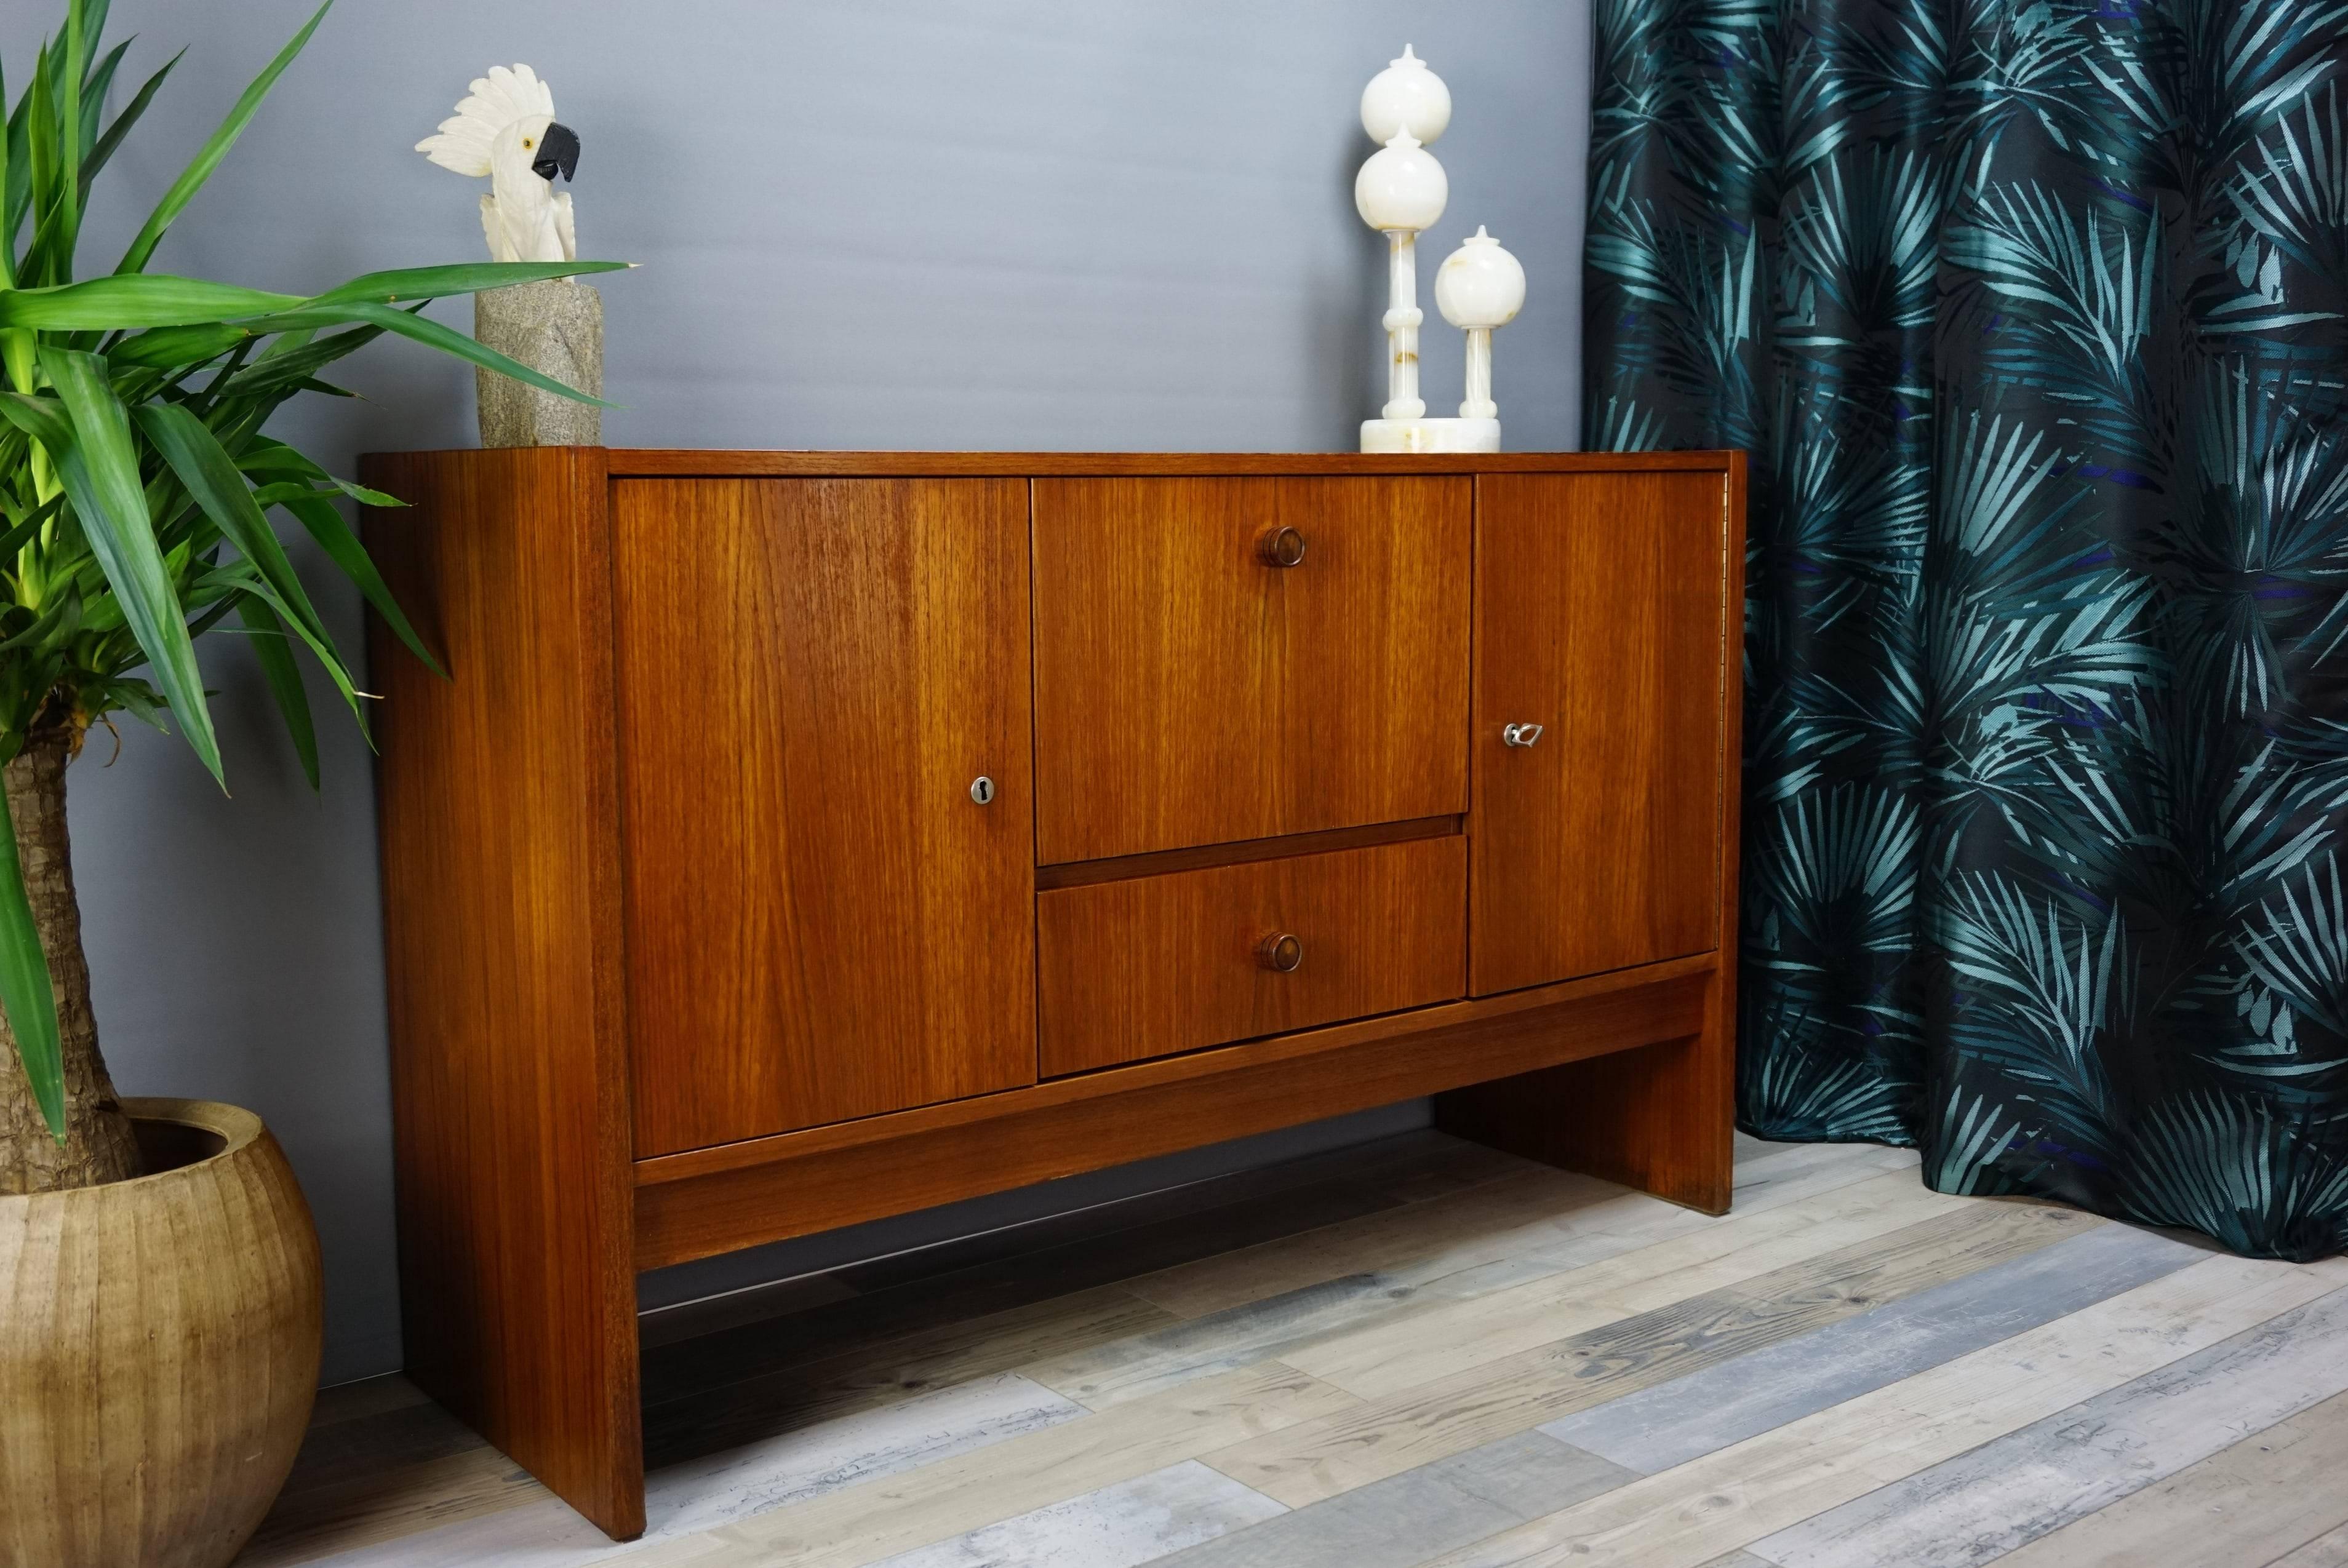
(1694, 1512)
(1131, 1521)
(1383, 1330)
(1490, 1223)
(1967, 1511)
(1402, 1350)
(1690, 1417)
(1401, 1521)
(2327, 1551)
(863, 1376)
(865, 1524)
(1384, 1437)
(2257, 1500)
(1461, 1229)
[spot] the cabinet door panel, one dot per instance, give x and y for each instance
(823, 923)
(1189, 691)
(1600, 617)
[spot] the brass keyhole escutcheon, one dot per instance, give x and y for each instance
(982, 790)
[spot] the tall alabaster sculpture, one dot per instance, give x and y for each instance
(505, 128)
(1401, 192)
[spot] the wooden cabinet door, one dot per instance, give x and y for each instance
(1189, 690)
(1600, 616)
(823, 923)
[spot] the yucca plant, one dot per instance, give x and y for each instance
(139, 504)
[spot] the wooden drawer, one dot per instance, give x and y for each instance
(1188, 691)
(1160, 964)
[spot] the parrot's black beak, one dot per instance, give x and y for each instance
(558, 153)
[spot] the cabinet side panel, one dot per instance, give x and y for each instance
(824, 921)
(499, 827)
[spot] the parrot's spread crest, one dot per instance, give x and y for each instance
(496, 101)
(506, 129)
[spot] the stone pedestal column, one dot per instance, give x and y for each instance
(557, 329)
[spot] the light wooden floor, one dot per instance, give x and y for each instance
(1421, 1352)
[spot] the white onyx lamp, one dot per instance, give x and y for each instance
(1478, 287)
(1406, 98)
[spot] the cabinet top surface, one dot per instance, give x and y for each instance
(648, 462)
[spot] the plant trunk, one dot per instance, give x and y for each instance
(99, 1147)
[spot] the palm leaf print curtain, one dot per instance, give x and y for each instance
(2033, 317)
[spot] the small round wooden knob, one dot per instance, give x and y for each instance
(1282, 547)
(1280, 952)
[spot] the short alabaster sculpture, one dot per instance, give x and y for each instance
(505, 128)
(1401, 191)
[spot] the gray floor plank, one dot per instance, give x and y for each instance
(1977, 1507)
(2329, 1550)
(1406, 1519)
(1673, 1422)
(2251, 1502)
(1117, 1526)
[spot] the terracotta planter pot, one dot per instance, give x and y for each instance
(159, 1349)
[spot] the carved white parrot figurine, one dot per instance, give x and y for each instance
(507, 130)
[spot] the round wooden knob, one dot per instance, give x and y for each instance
(1282, 546)
(1280, 952)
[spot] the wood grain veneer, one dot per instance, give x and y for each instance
(1600, 616)
(502, 952)
(1153, 965)
(716, 1200)
(821, 922)
(1187, 691)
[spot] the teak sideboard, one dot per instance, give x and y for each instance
(799, 839)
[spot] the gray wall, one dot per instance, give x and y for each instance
(1082, 224)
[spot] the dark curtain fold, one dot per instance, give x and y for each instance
(2033, 316)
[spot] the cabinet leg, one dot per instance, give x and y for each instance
(1660, 1118)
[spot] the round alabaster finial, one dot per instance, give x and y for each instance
(1479, 284)
(1406, 98)
(1401, 187)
